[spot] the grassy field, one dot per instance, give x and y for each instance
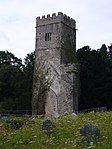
(66, 133)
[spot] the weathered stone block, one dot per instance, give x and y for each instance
(55, 50)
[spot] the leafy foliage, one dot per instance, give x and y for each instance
(68, 50)
(15, 82)
(94, 67)
(14, 124)
(41, 86)
(96, 77)
(28, 71)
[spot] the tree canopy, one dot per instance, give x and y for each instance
(96, 77)
(15, 82)
(95, 72)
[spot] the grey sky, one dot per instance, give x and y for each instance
(17, 22)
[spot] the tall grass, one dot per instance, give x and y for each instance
(66, 133)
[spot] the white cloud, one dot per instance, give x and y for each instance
(17, 22)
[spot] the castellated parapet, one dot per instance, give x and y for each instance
(55, 48)
(55, 19)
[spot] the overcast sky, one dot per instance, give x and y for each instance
(17, 22)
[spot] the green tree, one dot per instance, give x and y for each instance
(28, 71)
(96, 77)
(16, 81)
(103, 52)
(10, 72)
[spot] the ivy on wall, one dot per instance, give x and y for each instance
(41, 87)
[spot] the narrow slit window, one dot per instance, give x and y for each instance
(47, 36)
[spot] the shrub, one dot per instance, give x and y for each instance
(15, 124)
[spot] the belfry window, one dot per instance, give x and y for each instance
(48, 36)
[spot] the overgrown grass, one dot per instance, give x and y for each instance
(66, 133)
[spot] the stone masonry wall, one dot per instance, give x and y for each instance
(51, 54)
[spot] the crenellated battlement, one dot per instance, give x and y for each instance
(55, 18)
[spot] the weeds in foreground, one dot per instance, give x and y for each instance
(66, 133)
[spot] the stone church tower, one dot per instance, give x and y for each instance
(55, 51)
